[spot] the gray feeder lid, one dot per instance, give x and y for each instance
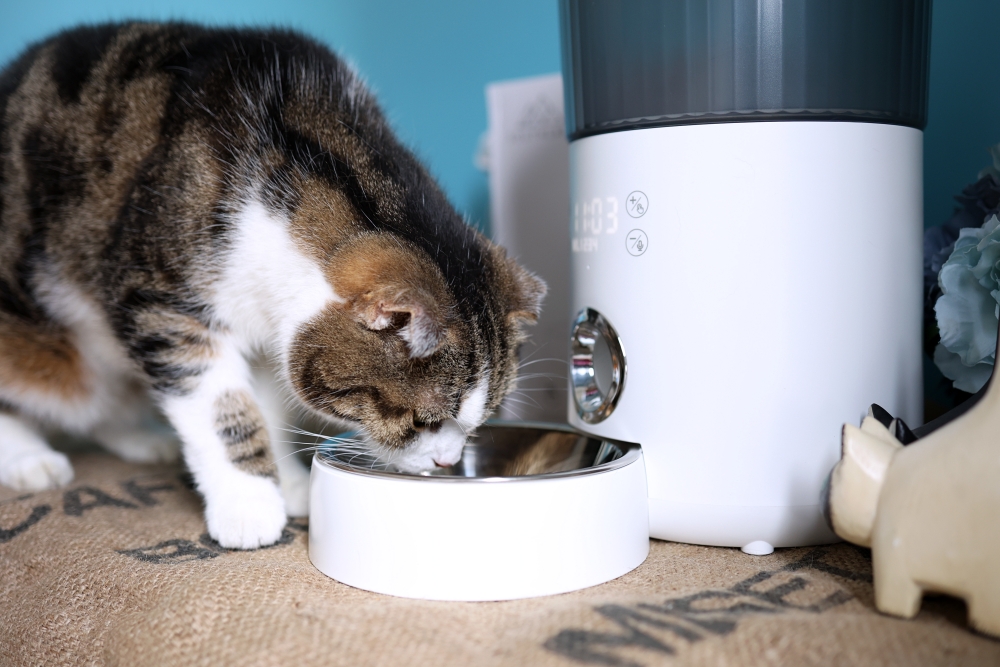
(647, 63)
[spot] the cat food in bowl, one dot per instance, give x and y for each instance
(529, 510)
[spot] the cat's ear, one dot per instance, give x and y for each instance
(524, 290)
(530, 290)
(383, 283)
(412, 310)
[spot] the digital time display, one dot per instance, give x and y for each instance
(593, 218)
(596, 216)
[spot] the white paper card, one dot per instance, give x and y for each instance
(528, 163)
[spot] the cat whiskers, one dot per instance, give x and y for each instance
(532, 376)
(353, 446)
(526, 363)
(530, 402)
(349, 449)
(342, 445)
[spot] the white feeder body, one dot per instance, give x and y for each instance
(746, 237)
(768, 293)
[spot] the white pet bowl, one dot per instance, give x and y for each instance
(529, 510)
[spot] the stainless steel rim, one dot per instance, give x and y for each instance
(588, 328)
(630, 452)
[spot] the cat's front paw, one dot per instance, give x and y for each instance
(247, 513)
(36, 471)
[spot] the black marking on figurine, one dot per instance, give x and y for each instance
(901, 431)
(880, 414)
(906, 435)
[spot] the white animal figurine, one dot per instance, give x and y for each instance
(930, 511)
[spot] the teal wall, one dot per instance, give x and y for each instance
(428, 61)
(964, 108)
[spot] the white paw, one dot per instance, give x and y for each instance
(36, 471)
(246, 512)
(295, 490)
(145, 447)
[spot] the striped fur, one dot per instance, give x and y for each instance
(175, 200)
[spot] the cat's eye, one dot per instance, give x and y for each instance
(426, 425)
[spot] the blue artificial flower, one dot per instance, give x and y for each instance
(968, 311)
(975, 205)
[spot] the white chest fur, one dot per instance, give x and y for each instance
(269, 286)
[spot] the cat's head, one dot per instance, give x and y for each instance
(415, 363)
(419, 344)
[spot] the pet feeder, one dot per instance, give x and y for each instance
(746, 192)
(746, 196)
(528, 511)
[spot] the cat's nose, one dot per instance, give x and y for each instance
(442, 465)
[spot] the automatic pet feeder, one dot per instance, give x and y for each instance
(746, 192)
(746, 184)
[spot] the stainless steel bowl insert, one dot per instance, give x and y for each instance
(501, 452)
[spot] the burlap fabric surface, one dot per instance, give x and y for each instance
(116, 569)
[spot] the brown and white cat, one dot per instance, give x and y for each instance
(177, 201)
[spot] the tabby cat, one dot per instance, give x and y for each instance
(184, 208)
